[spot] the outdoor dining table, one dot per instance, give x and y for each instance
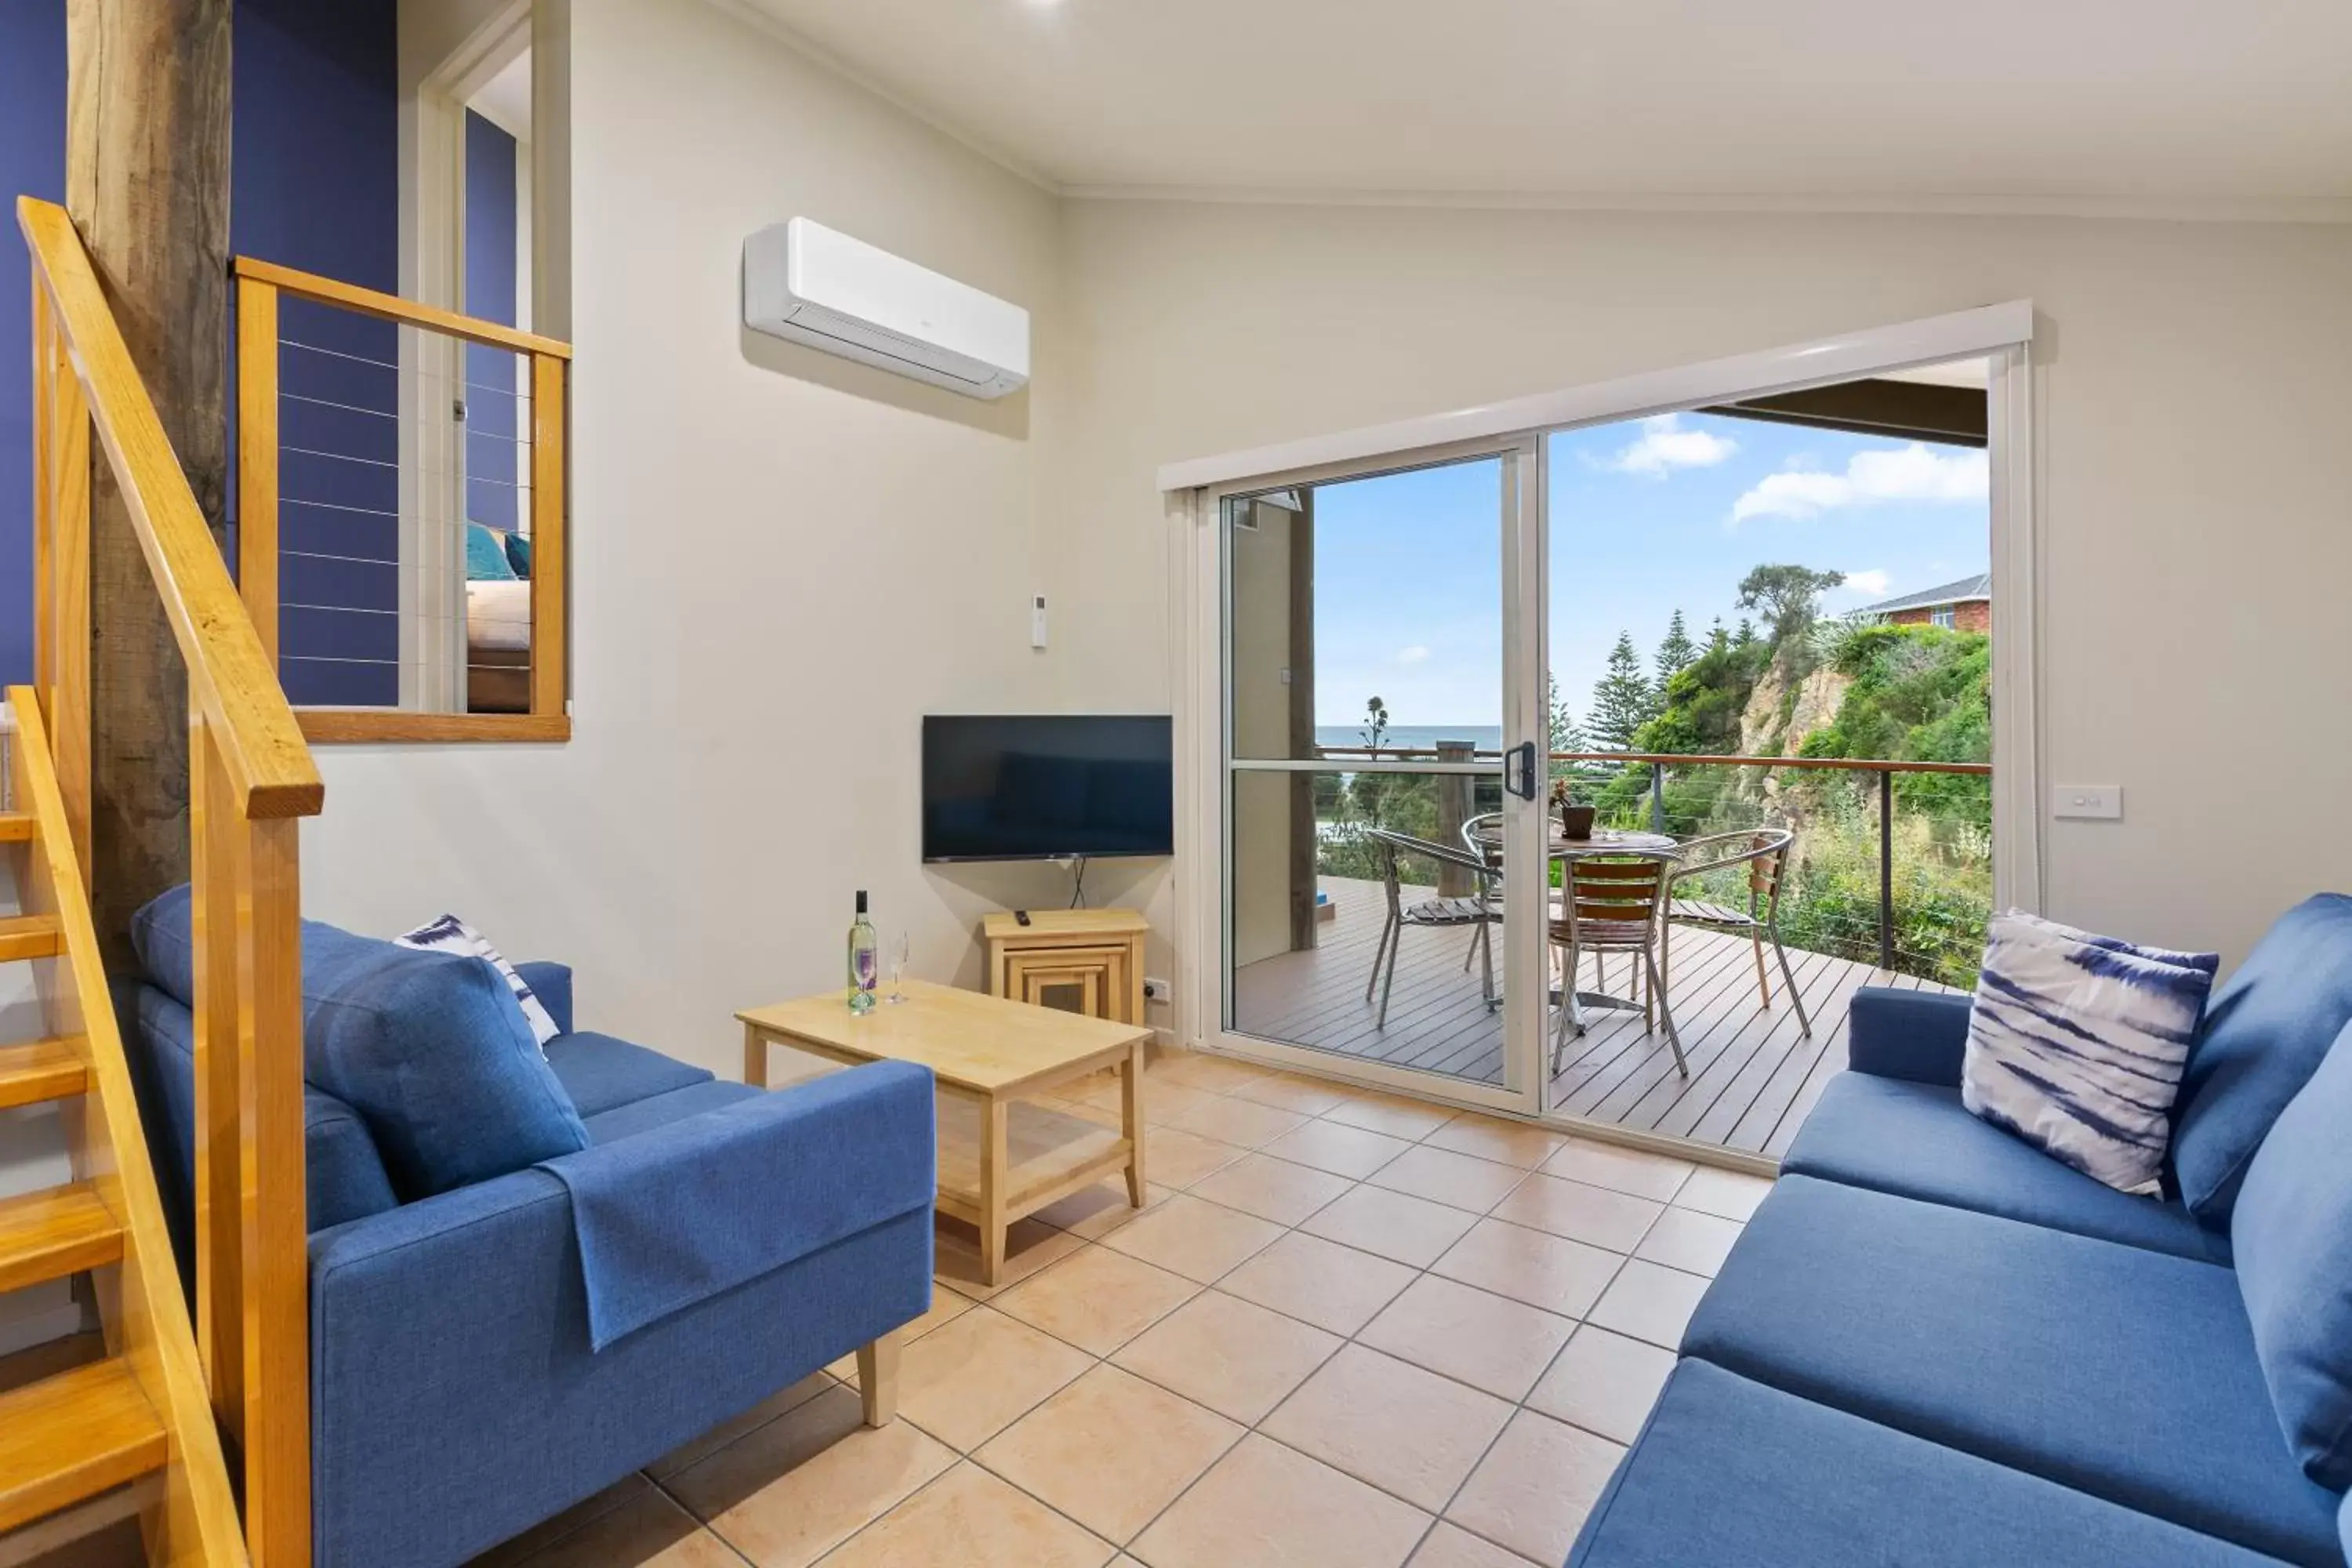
(1485, 836)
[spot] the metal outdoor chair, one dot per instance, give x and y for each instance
(1765, 852)
(1478, 910)
(1614, 904)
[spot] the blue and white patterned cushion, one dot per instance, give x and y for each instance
(450, 934)
(2076, 1044)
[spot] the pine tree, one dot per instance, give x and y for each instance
(1622, 700)
(1747, 632)
(1567, 734)
(1718, 639)
(1675, 653)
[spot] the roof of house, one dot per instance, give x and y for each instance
(1961, 592)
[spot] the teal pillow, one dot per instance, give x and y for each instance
(519, 553)
(2290, 1236)
(485, 556)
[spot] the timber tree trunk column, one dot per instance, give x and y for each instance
(147, 182)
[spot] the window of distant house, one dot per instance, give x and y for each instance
(1942, 615)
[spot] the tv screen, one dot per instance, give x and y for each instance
(1036, 788)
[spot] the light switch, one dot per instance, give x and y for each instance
(2102, 802)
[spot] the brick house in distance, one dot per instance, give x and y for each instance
(1965, 606)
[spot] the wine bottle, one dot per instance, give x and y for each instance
(865, 959)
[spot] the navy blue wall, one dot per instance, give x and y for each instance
(491, 411)
(315, 184)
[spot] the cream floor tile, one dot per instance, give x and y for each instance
(793, 1490)
(1287, 1091)
(648, 1530)
(1594, 1216)
(1643, 1175)
(1492, 1138)
(972, 1519)
(1605, 1383)
(1029, 1245)
(1242, 1123)
(1095, 1212)
(1392, 1114)
(945, 1306)
(1451, 1546)
(1650, 1302)
(1535, 1487)
(1333, 1286)
(1686, 1239)
(1267, 1506)
(1460, 1181)
(1271, 1189)
(1201, 1241)
(1411, 1433)
(1178, 1159)
(760, 1415)
(967, 1382)
(1343, 1150)
(1165, 1104)
(1486, 1341)
(1729, 1195)
(1410, 1230)
(1237, 1358)
(1531, 1265)
(1201, 1070)
(1110, 1450)
(548, 1531)
(1097, 1299)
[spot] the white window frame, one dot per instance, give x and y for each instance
(2000, 334)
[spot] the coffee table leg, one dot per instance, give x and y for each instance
(1132, 1120)
(755, 1057)
(991, 1191)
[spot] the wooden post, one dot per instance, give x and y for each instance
(1453, 811)
(147, 171)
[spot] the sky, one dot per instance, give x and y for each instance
(1647, 516)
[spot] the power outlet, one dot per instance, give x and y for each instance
(2098, 803)
(1155, 991)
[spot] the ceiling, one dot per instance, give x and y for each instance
(2244, 105)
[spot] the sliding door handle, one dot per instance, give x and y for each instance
(1519, 770)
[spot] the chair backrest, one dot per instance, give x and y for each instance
(1483, 836)
(1393, 844)
(1620, 889)
(1764, 851)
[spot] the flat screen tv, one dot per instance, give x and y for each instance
(1006, 787)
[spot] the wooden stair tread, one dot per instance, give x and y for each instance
(18, 828)
(66, 1438)
(53, 1233)
(29, 936)
(42, 1069)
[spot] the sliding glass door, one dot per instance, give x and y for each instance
(1379, 757)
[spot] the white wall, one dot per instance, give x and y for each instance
(781, 559)
(2194, 385)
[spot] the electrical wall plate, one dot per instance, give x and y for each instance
(2097, 802)
(1155, 990)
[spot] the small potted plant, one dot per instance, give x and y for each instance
(1575, 821)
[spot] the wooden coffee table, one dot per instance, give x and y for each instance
(1000, 1159)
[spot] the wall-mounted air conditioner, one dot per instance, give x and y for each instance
(816, 286)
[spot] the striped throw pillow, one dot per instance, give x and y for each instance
(2077, 1042)
(450, 934)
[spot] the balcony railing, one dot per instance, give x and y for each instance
(1892, 859)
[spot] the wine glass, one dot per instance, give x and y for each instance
(898, 947)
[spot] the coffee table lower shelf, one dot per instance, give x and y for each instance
(1048, 1156)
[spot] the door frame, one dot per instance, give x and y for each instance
(1194, 489)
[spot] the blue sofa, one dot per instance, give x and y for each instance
(1935, 1345)
(455, 1396)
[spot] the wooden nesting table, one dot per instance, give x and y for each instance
(1000, 1159)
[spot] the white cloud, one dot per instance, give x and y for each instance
(1870, 584)
(1665, 445)
(1412, 654)
(1910, 473)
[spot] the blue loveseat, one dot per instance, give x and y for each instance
(456, 1399)
(1933, 1346)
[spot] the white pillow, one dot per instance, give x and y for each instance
(2076, 1044)
(450, 934)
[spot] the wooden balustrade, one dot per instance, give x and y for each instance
(251, 781)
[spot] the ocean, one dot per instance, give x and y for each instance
(1413, 737)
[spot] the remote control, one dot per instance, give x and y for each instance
(1021, 917)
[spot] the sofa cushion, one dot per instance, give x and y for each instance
(431, 1047)
(1731, 1471)
(1917, 1140)
(2264, 1032)
(2293, 1227)
(601, 1073)
(450, 934)
(661, 1109)
(2126, 1373)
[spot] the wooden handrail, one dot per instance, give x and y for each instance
(270, 772)
(1679, 759)
(392, 308)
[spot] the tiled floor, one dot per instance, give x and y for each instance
(1349, 1330)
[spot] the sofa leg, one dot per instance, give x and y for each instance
(877, 1379)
